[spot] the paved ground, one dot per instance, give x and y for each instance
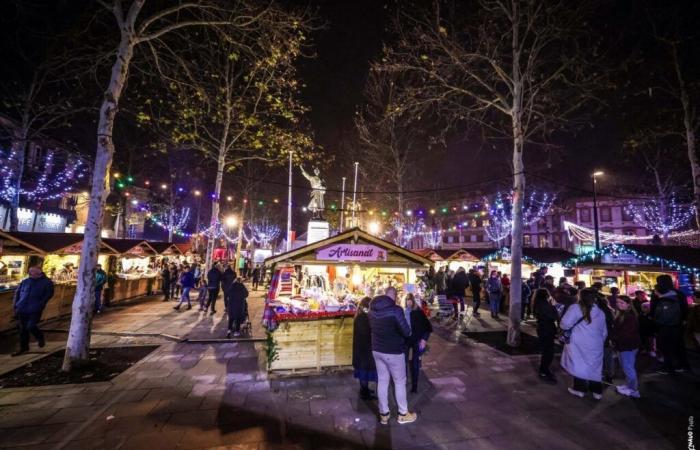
(214, 395)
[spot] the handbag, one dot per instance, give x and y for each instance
(564, 336)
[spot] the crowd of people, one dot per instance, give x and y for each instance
(179, 280)
(388, 340)
(595, 329)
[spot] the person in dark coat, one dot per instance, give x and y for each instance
(227, 279)
(547, 318)
(256, 278)
(440, 281)
(174, 281)
(626, 341)
(417, 341)
(362, 360)
(100, 281)
(475, 287)
(213, 284)
(165, 282)
(237, 306)
(389, 332)
(669, 311)
(30, 299)
(458, 285)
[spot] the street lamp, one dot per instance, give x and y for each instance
(164, 186)
(231, 221)
(595, 176)
(374, 228)
(198, 194)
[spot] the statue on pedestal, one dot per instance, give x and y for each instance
(318, 190)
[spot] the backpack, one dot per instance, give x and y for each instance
(668, 312)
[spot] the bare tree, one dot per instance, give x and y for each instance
(516, 67)
(392, 145)
(137, 27)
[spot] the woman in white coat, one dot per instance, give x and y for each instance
(582, 357)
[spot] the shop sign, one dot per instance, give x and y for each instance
(622, 259)
(138, 250)
(351, 252)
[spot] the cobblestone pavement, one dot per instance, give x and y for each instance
(215, 395)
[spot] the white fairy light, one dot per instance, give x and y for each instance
(500, 210)
(661, 216)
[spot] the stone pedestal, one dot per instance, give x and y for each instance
(317, 230)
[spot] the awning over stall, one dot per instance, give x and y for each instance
(26, 243)
(352, 246)
(533, 255)
(131, 247)
(165, 248)
(665, 257)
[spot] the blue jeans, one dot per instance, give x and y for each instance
(185, 296)
(627, 360)
(495, 302)
(98, 300)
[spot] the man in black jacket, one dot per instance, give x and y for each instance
(669, 310)
(475, 286)
(213, 284)
(389, 333)
(31, 297)
(237, 306)
(458, 286)
(227, 279)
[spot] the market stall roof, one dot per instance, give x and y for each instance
(461, 254)
(135, 247)
(535, 255)
(22, 242)
(478, 252)
(388, 253)
(165, 248)
(670, 257)
(429, 253)
(184, 248)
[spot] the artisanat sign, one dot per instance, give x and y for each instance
(351, 252)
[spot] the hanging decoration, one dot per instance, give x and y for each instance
(52, 182)
(617, 250)
(585, 234)
(661, 216)
(504, 254)
(500, 224)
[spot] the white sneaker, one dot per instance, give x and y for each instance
(575, 393)
(622, 389)
(597, 396)
(633, 394)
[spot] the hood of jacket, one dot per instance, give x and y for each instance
(381, 303)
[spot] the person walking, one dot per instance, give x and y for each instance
(458, 286)
(582, 357)
(626, 341)
(440, 281)
(227, 279)
(30, 299)
(494, 288)
(389, 333)
(202, 296)
(100, 281)
(475, 287)
(187, 283)
(525, 299)
(418, 340)
(174, 281)
(237, 306)
(165, 282)
(364, 368)
(213, 286)
(669, 309)
(547, 318)
(256, 277)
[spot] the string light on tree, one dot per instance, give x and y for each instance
(263, 233)
(432, 238)
(661, 216)
(500, 222)
(53, 182)
(180, 219)
(404, 230)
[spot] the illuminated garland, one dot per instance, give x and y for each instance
(164, 226)
(585, 234)
(51, 184)
(661, 216)
(616, 249)
(404, 230)
(500, 210)
(504, 254)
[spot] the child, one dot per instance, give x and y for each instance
(203, 292)
(626, 339)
